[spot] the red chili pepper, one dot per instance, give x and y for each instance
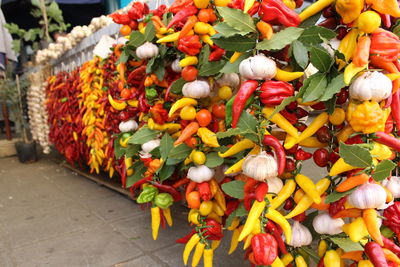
(291, 117)
(385, 45)
(386, 21)
(390, 245)
(389, 124)
(375, 254)
(302, 155)
(231, 206)
(321, 262)
(273, 142)
(239, 4)
(138, 10)
(160, 11)
(216, 54)
(329, 23)
(120, 18)
(271, 227)
(362, 51)
(274, 92)
(169, 189)
(392, 215)
(261, 191)
(337, 206)
(388, 140)
(213, 230)
(185, 239)
(301, 217)
(245, 91)
(276, 12)
(396, 108)
(139, 183)
(162, 219)
(190, 45)
(183, 14)
(250, 185)
(254, 9)
(158, 113)
(190, 187)
(265, 249)
(247, 200)
(204, 190)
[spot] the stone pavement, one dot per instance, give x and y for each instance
(50, 216)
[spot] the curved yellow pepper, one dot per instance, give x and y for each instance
(186, 101)
(286, 191)
(207, 137)
(314, 9)
(236, 148)
(189, 247)
(237, 167)
(308, 187)
(287, 76)
(349, 10)
(155, 221)
(278, 218)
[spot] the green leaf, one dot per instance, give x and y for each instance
(310, 252)
(171, 161)
(396, 28)
(311, 21)
(335, 196)
(247, 122)
(204, 54)
(240, 211)
(281, 39)
(228, 133)
(300, 54)
(123, 58)
(166, 171)
(138, 168)
(315, 88)
(176, 86)
(119, 151)
(321, 59)
(226, 30)
(346, 244)
(282, 105)
(237, 19)
(149, 32)
(355, 156)
(132, 150)
(234, 189)
(383, 170)
(159, 68)
(180, 152)
(136, 39)
(234, 67)
(142, 136)
(166, 144)
(147, 195)
(211, 68)
(314, 35)
(213, 160)
(334, 86)
(330, 105)
(236, 43)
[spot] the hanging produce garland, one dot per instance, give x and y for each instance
(208, 101)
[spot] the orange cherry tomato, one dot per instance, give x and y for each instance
(207, 15)
(126, 93)
(203, 117)
(189, 73)
(191, 142)
(125, 30)
(218, 110)
(193, 200)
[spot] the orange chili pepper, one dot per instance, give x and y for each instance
(188, 26)
(265, 29)
(352, 182)
(389, 67)
(189, 130)
(134, 63)
(356, 255)
(390, 256)
(158, 24)
(121, 71)
(190, 187)
(117, 50)
(371, 221)
(180, 182)
(148, 81)
(322, 205)
(348, 213)
(361, 55)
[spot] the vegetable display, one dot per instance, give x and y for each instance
(220, 103)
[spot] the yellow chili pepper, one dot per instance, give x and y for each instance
(312, 142)
(322, 247)
(389, 7)
(220, 199)
(287, 76)
(247, 5)
(201, 3)
(256, 209)
(381, 152)
(308, 187)
(186, 101)
(314, 9)
(198, 253)
(349, 10)
(189, 247)
(236, 148)
(237, 167)
(141, 27)
(166, 127)
(300, 262)
(235, 56)
(286, 191)
(332, 259)
(357, 230)
(306, 201)
(201, 27)
(277, 263)
(351, 70)
(247, 242)
(235, 223)
(345, 133)
(118, 105)
(371, 221)
(281, 121)
(208, 257)
(234, 241)
(211, 30)
(133, 103)
(169, 38)
(290, 4)
(217, 209)
(278, 218)
(287, 259)
(393, 76)
(168, 217)
(207, 137)
(155, 221)
(348, 45)
(207, 39)
(339, 167)
(365, 263)
(215, 244)
(187, 61)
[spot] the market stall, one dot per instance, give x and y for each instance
(220, 104)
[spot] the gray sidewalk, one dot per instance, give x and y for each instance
(50, 216)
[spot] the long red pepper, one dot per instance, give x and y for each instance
(273, 142)
(390, 245)
(204, 190)
(183, 14)
(388, 140)
(395, 105)
(169, 189)
(247, 200)
(270, 226)
(375, 254)
(185, 239)
(261, 191)
(162, 219)
(245, 91)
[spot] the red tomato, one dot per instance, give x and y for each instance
(189, 73)
(126, 93)
(203, 117)
(218, 110)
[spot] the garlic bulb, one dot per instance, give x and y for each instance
(200, 173)
(260, 167)
(275, 185)
(258, 67)
(147, 50)
(151, 145)
(175, 66)
(323, 223)
(127, 126)
(371, 85)
(229, 79)
(368, 196)
(393, 185)
(310, 70)
(196, 89)
(301, 236)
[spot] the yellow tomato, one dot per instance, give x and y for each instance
(205, 208)
(201, 3)
(188, 113)
(225, 92)
(369, 21)
(222, 2)
(201, 28)
(337, 117)
(198, 157)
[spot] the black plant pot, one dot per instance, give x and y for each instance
(26, 152)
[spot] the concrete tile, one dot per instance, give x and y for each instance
(99, 246)
(5, 259)
(40, 224)
(144, 261)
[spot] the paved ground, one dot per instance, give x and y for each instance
(50, 216)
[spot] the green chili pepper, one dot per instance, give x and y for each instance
(164, 200)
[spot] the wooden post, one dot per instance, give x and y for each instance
(6, 121)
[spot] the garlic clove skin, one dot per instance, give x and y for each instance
(323, 223)
(196, 89)
(368, 196)
(200, 173)
(151, 145)
(393, 185)
(229, 79)
(175, 66)
(371, 85)
(275, 185)
(258, 67)
(301, 236)
(260, 167)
